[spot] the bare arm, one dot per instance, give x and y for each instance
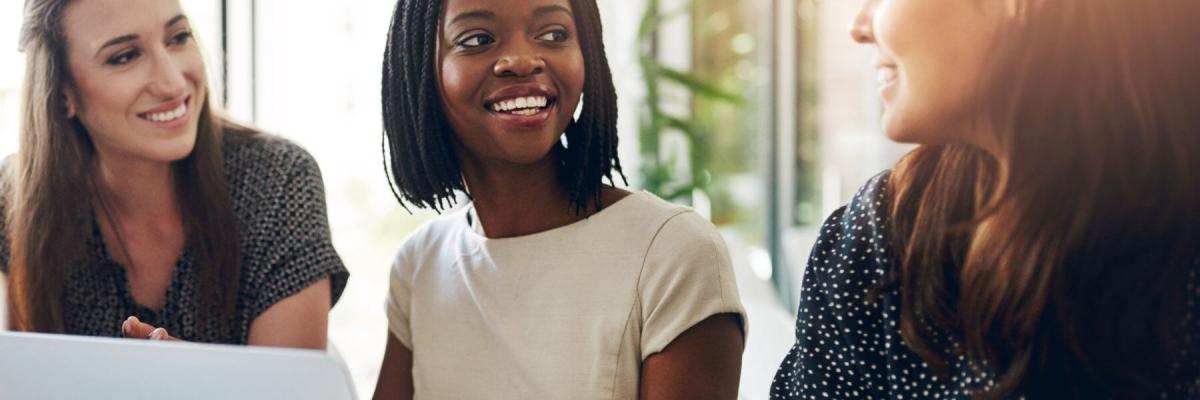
(300, 321)
(704, 362)
(395, 375)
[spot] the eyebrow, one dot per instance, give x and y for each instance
(488, 15)
(477, 14)
(129, 38)
(553, 8)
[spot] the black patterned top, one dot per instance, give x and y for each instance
(847, 348)
(279, 201)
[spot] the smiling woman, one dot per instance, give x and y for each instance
(559, 285)
(127, 211)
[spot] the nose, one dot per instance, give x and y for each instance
(167, 80)
(861, 29)
(519, 65)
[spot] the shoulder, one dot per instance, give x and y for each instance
(855, 239)
(263, 153)
(5, 191)
(267, 172)
(684, 231)
(864, 220)
(868, 209)
(7, 174)
(684, 245)
(663, 227)
(438, 238)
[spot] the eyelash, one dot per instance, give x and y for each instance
(128, 56)
(562, 36)
(481, 36)
(562, 33)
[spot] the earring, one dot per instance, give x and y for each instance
(69, 107)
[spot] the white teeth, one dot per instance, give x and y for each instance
(169, 115)
(523, 105)
(885, 75)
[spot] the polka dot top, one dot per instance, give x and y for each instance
(279, 202)
(847, 348)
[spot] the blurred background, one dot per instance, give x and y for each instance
(761, 114)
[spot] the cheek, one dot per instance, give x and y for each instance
(570, 70)
(458, 82)
(193, 67)
(104, 100)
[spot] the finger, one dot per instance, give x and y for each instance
(134, 328)
(161, 334)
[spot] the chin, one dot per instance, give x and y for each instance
(173, 150)
(901, 126)
(526, 154)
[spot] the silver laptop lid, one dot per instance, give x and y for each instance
(39, 366)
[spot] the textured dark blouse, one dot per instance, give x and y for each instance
(847, 348)
(279, 201)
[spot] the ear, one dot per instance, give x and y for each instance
(70, 101)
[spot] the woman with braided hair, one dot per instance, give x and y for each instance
(548, 283)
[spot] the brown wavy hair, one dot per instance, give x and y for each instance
(1060, 261)
(51, 188)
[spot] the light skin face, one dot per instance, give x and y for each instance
(492, 52)
(138, 77)
(930, 54)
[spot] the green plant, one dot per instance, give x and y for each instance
(658, 172)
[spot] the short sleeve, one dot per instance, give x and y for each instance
(687, 277)
(303, 251)
(399, 298)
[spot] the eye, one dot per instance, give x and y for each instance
(123, 58)
(476, 40)
(181, 38)
(557, 35)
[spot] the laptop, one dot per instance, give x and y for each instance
(51, 367)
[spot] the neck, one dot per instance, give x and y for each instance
(133, 187)
(516, 200)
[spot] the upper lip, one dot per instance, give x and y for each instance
(520, 90)
(167, 106)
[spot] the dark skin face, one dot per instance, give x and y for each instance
(511, 75)
(491, 50)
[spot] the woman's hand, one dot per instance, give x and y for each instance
(133, 328)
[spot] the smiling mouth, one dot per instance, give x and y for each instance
(167, 116)
(522, 106)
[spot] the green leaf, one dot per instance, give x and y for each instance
(699, 86)
(650, 20)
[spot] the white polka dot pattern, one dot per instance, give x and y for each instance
(848, 348)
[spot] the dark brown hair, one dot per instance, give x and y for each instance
(1061, 261)
(49, 212)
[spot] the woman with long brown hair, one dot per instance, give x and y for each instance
(1043, 241)
(132, 209)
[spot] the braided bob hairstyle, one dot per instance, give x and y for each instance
(418, 144)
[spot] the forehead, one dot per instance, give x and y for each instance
(502, 9)
(90, 23)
